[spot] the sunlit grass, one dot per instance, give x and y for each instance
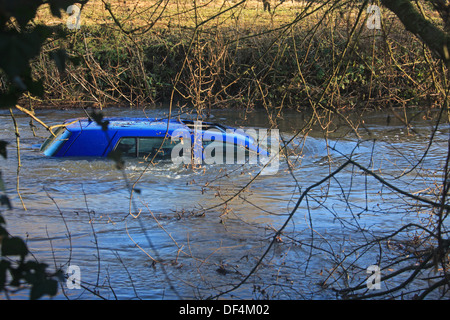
(180, 13)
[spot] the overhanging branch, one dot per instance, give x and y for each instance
(435, 38)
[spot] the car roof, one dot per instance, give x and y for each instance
(118, 123)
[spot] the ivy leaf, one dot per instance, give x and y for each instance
(59, 56)
(57, 5)
(14, 246)
(34, 87)
(35, 274)
(4, 200)
(9, 98)
(4, 266)
(116, 156)
(22, 10)
(3, 145)
(98, 118)
(19, 48)
(3, 233)
(45, 287)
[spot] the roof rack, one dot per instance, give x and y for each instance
(204, 125)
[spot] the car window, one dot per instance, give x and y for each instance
(159, 148)
(149, 148)
(127, 147)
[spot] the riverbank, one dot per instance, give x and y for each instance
(231, 54)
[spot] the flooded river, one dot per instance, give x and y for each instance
(180, 237)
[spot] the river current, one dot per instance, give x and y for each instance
(179, 236)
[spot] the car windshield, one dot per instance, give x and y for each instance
(52, 144)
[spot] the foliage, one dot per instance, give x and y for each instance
(20, 42)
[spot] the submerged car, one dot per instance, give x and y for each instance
(149, 138)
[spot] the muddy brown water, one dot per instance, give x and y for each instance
(79, 212)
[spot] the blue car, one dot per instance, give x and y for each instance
(179, 140)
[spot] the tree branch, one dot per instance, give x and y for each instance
(435, 38)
